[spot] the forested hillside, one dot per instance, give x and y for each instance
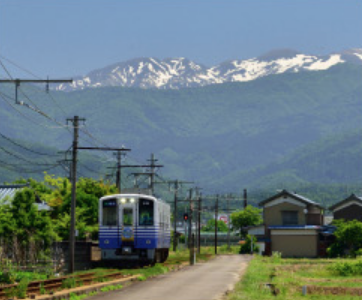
(273, 132)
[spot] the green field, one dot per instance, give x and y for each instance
(277, 278)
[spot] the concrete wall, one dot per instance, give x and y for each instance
(82, 257)
(295, 245)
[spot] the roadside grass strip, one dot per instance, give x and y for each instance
(276, 278)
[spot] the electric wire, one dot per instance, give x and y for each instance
(25, 148)
(24, 159)
(35, 108)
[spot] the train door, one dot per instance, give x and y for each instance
(127, 214)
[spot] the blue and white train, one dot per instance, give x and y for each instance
(134, 227)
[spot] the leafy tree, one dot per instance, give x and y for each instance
(250, 216)
(210, 226)
(27, 231)
(348, 238)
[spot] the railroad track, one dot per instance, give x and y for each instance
(56, 284)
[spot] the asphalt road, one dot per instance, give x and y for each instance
(204, 281)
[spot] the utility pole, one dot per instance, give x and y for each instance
(118, 155)
(75, 122)
(245, 198)
(199, 229)
(198, 232)
(216, 217)
(176, 187)
(152, 173)
(228, 214)
(191, 235)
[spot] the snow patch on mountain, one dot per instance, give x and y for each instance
(176, 73)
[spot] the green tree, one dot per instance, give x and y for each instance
(348, 238)
(250, 216)
(210, 226)
(28, 232)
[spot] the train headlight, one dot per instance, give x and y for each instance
(131, 200)
(123, 200)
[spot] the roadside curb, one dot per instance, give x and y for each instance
(84, 290)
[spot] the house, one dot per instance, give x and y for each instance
(7, 192)
(348, 209)
(292, 225)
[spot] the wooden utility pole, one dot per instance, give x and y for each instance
(199, 227)
(191, 235)
(75, 149)
(75, 122)
(228, 214)
(245, 198)
(118, 155)
(176, 187)
(216, 217)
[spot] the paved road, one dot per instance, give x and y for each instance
(204, 281)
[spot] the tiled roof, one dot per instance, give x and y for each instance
(292, 195)
(352, 197)
(9, 191)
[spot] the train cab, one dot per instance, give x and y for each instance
(134, 226)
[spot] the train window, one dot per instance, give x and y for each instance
(145, 212)
(127, 217)
(109, 216)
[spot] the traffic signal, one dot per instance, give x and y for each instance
(186, 216)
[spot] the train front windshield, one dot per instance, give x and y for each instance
(109, 217)
(146, 212)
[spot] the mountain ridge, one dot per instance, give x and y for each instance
(178, 73)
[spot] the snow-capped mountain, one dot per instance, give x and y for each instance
(179, 73)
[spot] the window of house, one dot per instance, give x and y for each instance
(290, 217)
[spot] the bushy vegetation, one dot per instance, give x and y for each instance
(348, 239)
(210, 226)
(250, 241)
(27, 234)
(347, 268)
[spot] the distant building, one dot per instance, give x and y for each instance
(348, 209)
(7, 192)
(293, 225)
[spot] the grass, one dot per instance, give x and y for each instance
(289, 276)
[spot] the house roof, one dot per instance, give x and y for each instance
(295, 196)
(352, 197)
(10, 190)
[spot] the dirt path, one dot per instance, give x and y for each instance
(204, 281)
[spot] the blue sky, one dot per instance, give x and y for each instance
(72, 37)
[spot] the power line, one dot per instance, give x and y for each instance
(24, 159)
(25, 148)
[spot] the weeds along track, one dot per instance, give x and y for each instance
(56, 284)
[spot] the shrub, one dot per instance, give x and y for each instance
(21, 288)
(69, 283)
(347, 268)
(246, 246)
